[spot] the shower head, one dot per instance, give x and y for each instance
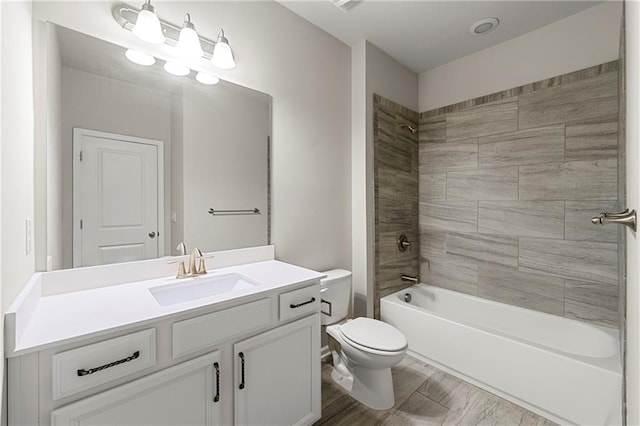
(412, 129)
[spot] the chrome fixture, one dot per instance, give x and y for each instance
(407, 297)
(628, 218)
(412, 129)
(409, 278)
(403, 243)
(190, 46)
(182, 249)
(215, 212)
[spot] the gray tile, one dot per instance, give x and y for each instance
(449, 391)
(421, 411)
(492, 275)
(577, 260)
(443, 157)
(484, 184)
(488, 119)
(531, 291)
(592, 302)
(433, 129)
(433, 187)
(585, 99)
(577, 180)
(458, 216)
(593, 139)
(457, 276)
(493, 411)
(540, 145)
(523, 218)
(578, 224)
(433, 245)
(478, 248)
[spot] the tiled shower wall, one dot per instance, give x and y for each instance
(396, 195)
(508, 184)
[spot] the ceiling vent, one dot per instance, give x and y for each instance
(346, 5)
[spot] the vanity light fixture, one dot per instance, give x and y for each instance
(222, 54)
(140, 58)
(129, 18)
(176, 68)
(189, 41)
(207, 78)
(147, 25)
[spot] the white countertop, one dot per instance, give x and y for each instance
(66, 317)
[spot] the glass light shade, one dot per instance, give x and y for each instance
(140, 58)
(222, 54)
(148, 27)
(175, 68)
(206, 78)
(189, 44)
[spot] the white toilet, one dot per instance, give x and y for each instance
(363, 349)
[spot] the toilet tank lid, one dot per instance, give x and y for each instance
(335, 274)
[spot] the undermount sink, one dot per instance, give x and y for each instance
(200, 287)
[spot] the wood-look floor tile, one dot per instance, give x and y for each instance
(421, 411)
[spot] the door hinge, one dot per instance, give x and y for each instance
(81, 223)
(81, 152)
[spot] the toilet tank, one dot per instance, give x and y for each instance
(335, 291)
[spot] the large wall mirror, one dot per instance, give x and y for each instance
(138, 160)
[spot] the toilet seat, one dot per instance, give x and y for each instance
(373, 336)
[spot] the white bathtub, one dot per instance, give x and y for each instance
(562, 369)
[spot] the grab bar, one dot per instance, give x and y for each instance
(215, 212)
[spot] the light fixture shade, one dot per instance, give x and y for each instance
(207, 78)
(189, 41)
(140, 58)
(176, 68)
(147, 26)
(222, 54)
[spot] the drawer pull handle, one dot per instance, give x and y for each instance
(83, 372)
(297, 305)
(217, 367)
(242, 384)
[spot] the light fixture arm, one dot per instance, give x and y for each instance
(126, 16)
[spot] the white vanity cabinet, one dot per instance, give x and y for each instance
(277, 379)
(250, 361)
(186, 394)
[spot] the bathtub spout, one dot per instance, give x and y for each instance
(409, 278)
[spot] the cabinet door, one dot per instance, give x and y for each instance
(278, 375)
(180, 395)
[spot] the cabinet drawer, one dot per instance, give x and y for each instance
(198, 333)
(92, 365)
(299, 302)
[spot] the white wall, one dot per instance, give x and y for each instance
(17, 153)
(124, 108)
(225, 147)
(306, 71)
(633, 201)
(579, 41)
(373, 72)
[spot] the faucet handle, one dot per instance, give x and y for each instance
(202, 267)
(181, 271)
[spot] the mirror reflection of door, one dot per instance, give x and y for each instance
(117, 196)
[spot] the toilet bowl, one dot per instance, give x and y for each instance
(363, 349)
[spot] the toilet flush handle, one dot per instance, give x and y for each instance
(322, 290)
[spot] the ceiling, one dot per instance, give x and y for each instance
(424, 34)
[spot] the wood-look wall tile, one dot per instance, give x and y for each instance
(433, 186)
(457, 276)
(443, 157)
(433, 245)
(488, 119)
(582, 100)
(433, 129)
(531, 291)
(576, 260)
(592, 302)
(522, 218)
(483, 184)
(578, 224)
(478, 248)
(577, 180)
(592, 139)
(540, 145)
(457, 216)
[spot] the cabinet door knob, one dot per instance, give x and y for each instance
(242, 384)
